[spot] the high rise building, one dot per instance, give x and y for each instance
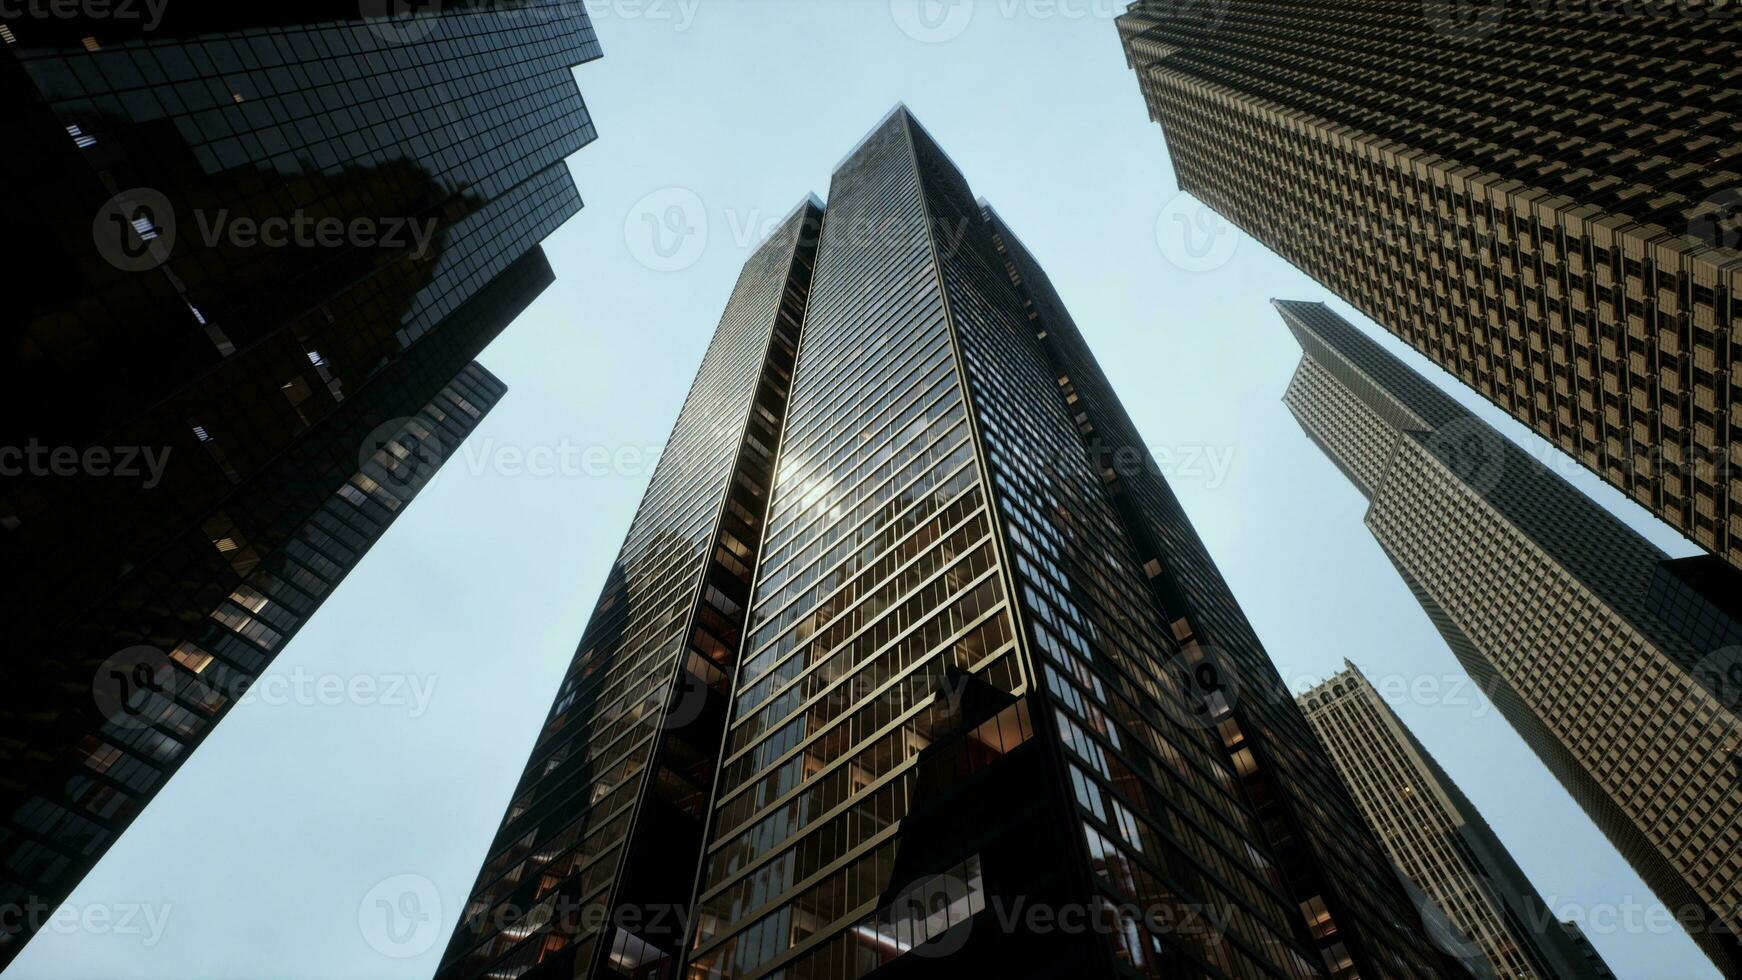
(1543, 199)
(1584, 635)
(261, 248)
(927, 670)
(1593, 959)
(609, 813)
(1334, 871)
(1495, 920)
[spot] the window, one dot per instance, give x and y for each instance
(191, 657)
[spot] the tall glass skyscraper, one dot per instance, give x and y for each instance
(1334, 872)
(958, 694)
(1543, 199)
(259, 251)
(1602, 653)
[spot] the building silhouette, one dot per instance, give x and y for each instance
(260, 252)
(1585, 636)
(1544, 200)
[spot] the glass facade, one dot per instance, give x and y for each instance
(954, 692)
(1335, 873)
(153, 295)
(149, 670)
(599, 846)
(257, 240)
(878, 590)
(1701, 598)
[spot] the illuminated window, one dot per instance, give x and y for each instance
(191, 657)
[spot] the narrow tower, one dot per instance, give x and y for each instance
(1494, 919)
(595, 860)
(1589, 641)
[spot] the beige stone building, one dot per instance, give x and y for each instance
(1544, 199)
(1493, 917)
(1557, 608)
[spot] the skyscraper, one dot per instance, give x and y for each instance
(1582, 943)
(1565, 616)
(1335, 873)
(959, 704)
(261, 249)
(1495, 919)
(1543, 199)
(601, 840)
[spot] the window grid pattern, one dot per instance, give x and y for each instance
(1544, 597)
(811, 807)
(671, 612)
(451, 147)
(1536, 199)
(1174, 832)
(254, 367)
(53, 837)
(879, 575)
(1334, 868)
(1435, 837)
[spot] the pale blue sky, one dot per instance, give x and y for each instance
(270, 848)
